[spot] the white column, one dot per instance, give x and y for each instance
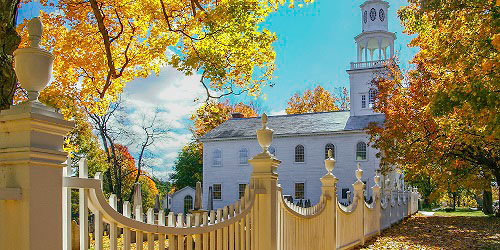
(360, 51)
(31, 159)
(366, 50)
(379, 41)
(392, 49)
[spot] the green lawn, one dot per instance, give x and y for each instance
(460, 212)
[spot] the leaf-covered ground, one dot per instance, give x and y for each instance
(436, 232)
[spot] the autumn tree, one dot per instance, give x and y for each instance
(188, 167)
(442, 115)
(318, 100)
(212, 114)
(100, 45)
(128, 166)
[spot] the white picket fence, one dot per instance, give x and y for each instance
(261, 220)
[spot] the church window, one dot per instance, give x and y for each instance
(365, 16)
(243, 156)
(299, 153)
(373, 14)
(241, 190)
(371, 96)
(344, 193)
(217, 158)
(381, 14)
(217, 191)
(272, 150)
(328, 147)
(188, 203)
(361, 151)
(363, 101)
(299, 190)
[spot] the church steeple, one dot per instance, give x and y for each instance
(374, 45)
(375, 41)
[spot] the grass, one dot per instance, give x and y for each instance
(461, 212)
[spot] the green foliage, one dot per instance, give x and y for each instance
(188, 168)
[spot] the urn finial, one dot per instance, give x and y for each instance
(329, 162)
(376, 178)
(265, 135)
(33, 65)
(35, 30)
(359, 172)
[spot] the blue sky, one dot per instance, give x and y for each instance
(315, 46)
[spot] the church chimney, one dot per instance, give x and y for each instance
(237, 115)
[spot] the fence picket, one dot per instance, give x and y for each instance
(212, 233)
(138, 233)
(205, 235)
(151, 220)
(83, 207)
(113, 230)
(219, 231)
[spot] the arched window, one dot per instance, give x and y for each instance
(243, 156)
(372, 94)
(299, 153)
(272, 150)
(217, 158)
(328, 147)
(361, 151)
(188, 203)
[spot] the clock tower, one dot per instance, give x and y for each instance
(375, 47)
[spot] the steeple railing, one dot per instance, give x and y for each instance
(370, 64)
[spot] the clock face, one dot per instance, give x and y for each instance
(373, 14)
(381, 14)
(365, 16)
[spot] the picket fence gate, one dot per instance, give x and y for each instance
(261, 220)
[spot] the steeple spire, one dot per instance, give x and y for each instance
(374, 45)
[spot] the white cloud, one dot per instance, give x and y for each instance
(173, 93)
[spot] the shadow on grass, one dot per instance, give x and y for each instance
(437, 232)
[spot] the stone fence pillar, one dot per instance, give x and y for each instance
(358, 187)
(264, 180)
(329, 192)
(31, 157)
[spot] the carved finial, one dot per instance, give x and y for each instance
(35, 30)
(376, 178)
(265, 135)
(359, 172)
(330, 162)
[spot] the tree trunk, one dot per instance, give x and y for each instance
(487, 202)
(454, 194)
(9, 41)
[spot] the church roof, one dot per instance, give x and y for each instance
(290, 125)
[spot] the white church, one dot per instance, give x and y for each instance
(302, 141)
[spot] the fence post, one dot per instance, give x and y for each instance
(31, 157)
(264, 181)
(358, 187)
(329, 192)
(377, 199)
